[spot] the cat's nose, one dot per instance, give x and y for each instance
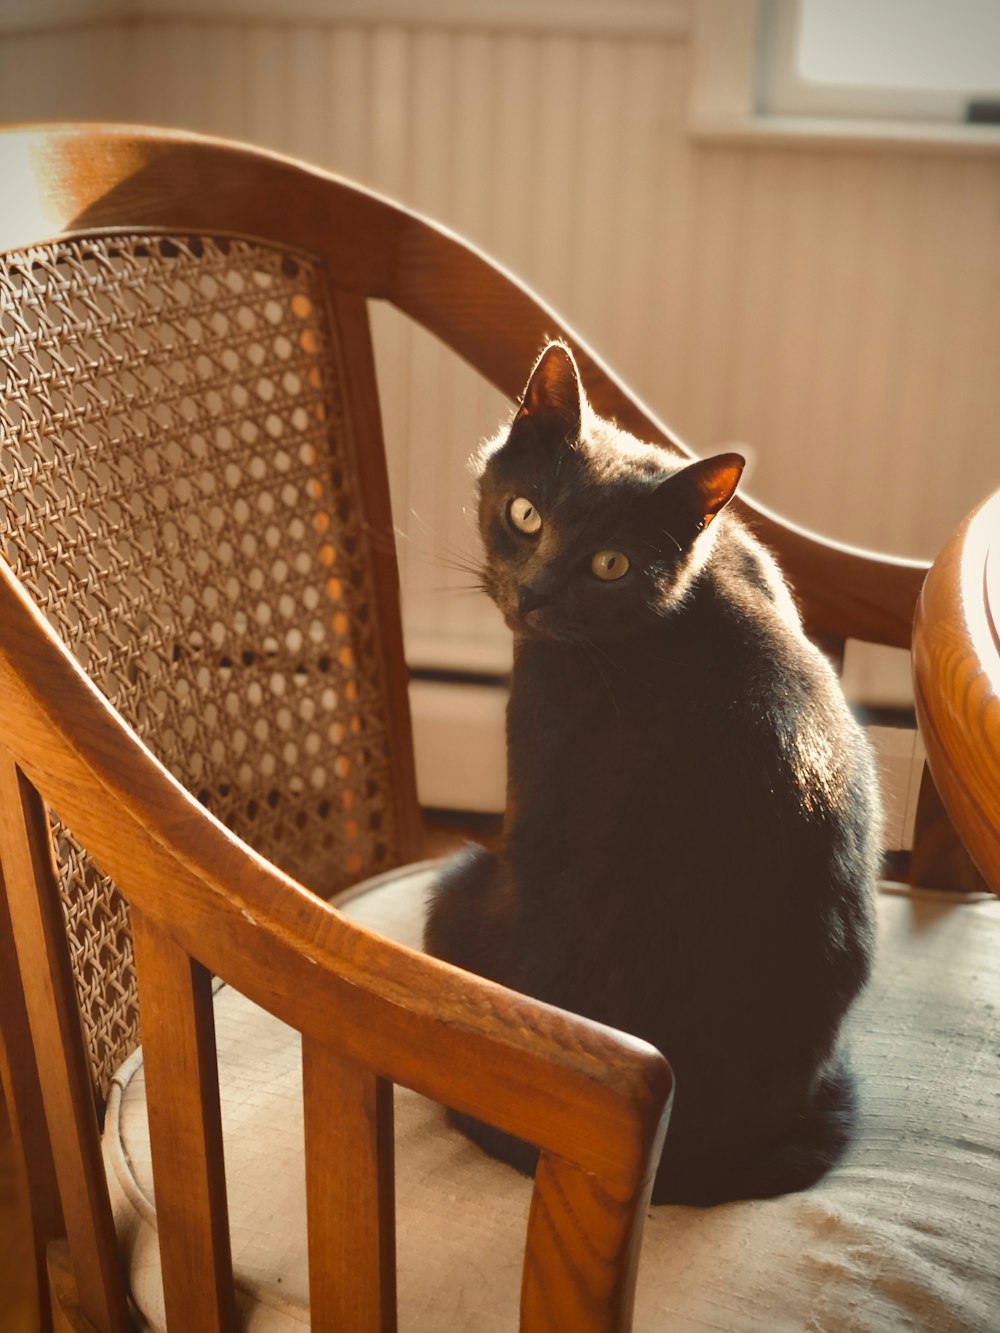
(528, 600)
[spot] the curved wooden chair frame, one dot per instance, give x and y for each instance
(68, 181)
(202, 902)
(956, 669)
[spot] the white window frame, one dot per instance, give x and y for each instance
(783, 91)
(735, 41)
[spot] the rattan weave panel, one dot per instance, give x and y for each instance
(177, 491)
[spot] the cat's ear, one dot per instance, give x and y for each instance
(554, 388)
(708, 485)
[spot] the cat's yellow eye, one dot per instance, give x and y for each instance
(524, 516)
(609, 565)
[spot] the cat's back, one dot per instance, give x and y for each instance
(780, 684)
(748, 632)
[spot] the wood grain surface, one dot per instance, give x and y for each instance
(956, 664)
(17, 1288)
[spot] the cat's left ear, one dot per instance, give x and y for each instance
(710, 484)
(553, 389)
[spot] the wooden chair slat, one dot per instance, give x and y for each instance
(350, 1192)
(582, 1249)
(349, 314)
(51, 1003)
(939, 859)
(23, 1095)
(185, 1132)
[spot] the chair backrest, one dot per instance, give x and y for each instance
(199, 628)
(956, 668)
(192, 496)
(195, 509)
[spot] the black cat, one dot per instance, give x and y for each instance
(690, 844)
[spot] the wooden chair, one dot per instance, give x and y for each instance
(205, 727)
(956, 667)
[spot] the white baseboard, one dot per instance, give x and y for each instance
(459, 737)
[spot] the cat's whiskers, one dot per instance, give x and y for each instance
(466, 589)
(680, 549)
(427, 545)
(459, 565)
(447, 556)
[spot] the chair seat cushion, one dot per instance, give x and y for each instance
(905, 1233)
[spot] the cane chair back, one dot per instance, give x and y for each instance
(181, 497)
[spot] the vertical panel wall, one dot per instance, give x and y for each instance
(836, 311)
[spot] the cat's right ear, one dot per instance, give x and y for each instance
(699, 491)
(553, 390)
(711, 483)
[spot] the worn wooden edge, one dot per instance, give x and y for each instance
(411, 1018)
(26, 1110)
(52, 1008)
(71, 179)
(350, 1193)
(956, 674)
(583, 1243)
(349, 316)
(185, 1130)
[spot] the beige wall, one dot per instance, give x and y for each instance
(836, 309)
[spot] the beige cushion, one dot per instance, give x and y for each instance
(905, 1234)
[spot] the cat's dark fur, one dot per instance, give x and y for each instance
(690, 843)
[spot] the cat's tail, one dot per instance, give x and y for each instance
(815, 1141)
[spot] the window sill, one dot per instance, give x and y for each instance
(758, 131)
